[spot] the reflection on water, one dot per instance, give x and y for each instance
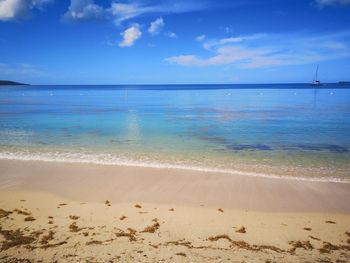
(304, 131)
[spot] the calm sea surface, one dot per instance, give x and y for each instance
(263, 130)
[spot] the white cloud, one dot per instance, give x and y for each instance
(130, 35)
(80, 10)
(119, 12)
(212, 43)
(171, 34)
(323, 3)
(19, 9)
(200, 38)
(258, 53)
(156, 26)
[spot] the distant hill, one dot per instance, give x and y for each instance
(8, 82)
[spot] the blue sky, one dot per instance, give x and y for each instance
(174, 41)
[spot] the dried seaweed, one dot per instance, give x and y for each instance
(241, 230)
(15, 238)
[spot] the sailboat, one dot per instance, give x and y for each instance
(316, 82)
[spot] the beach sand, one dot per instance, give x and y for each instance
(59, 212)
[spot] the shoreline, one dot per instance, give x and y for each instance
(174, 186)
(80, 158)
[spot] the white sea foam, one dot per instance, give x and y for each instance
(112, 159)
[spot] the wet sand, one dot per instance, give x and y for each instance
(79, 213)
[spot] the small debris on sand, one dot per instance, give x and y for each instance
(62, 204)
(300, 244)
(29, 218)
(314, 238)
(330, 222)
(74, 217)
(94, 242)
(138, 206)
(171, 209)
(307, 228)
(73, 227)
(221, 210)
(153, 227)
(181, 254)
(4, 213)
(21, 212)
(108, 203)
(122, 218)
(130, 234)
(241, 230)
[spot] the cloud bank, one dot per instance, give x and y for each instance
(11, 10)
(261, 50)
(324, 3)
(83, 10)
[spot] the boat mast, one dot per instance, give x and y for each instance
(316, 73)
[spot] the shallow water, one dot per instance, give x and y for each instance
(269, 130)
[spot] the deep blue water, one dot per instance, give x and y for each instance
(271, 129)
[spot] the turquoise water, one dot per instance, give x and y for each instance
(267, 130)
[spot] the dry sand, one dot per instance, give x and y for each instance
(90, 213)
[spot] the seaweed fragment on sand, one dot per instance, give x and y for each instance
(218, 237)
(73, 217)
(14, 238)
(220, 210)
(94, 242)
(22, 212)
(329, 247)
(300, 244)
(122, 218)
(314, 238)
(242, 230)
(244, 245)
(152, 228)
(138, 206)
(108, 203)
(330, 222)
(307, 228)
(4, 213)
(53, 245)
(74, 227)
(29, 219)
(187, 244)
(131, 234)
(181, 254)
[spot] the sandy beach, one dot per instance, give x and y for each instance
(57, 212)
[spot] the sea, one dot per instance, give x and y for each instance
(287, 131)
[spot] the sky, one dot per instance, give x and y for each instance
(174, 41)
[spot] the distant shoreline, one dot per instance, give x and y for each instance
(12, 83)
